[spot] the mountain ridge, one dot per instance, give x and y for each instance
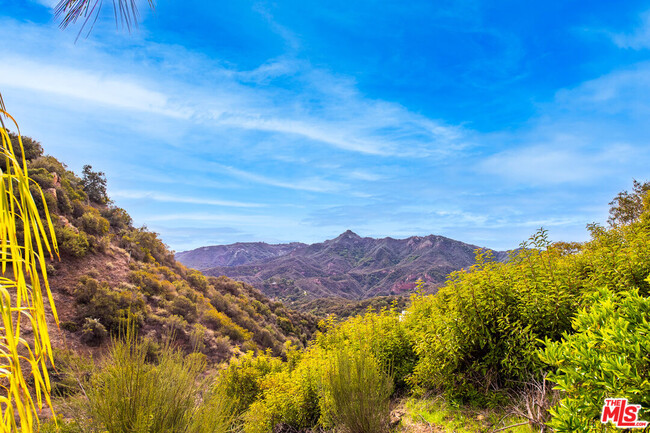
(348, 266)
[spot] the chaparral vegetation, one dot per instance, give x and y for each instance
(535, 343)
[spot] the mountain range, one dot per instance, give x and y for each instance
(348, 266)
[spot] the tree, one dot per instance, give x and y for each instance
(94, 184)
(628, 207)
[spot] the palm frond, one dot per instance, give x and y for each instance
(70, 11)
(25, 240)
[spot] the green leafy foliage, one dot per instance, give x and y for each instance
(93, 223)
(242, 380)
(385, 336)
(481, 332)
(607, 356)
(71, 242)
(341, 380)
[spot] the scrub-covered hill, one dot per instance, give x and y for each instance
(110, 272)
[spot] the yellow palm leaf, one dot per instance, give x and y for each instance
(24, 277)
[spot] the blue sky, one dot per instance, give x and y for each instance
(219, 122)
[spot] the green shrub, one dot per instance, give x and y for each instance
(606, 357)
(70, 326)
(42, 177)
(185, 308)
(114, 307)
(242, 379)
(31, 147)
(197, 280)
(481, 331)
(360, 392)
(78, 208)
(236, 332)
(386, 337)
(63, 202)
(285, 325)
(174, 325)
(93, 223)
(149, 283)
(118, 218)
(93, 333)
(145, 246)
(214, 319)
(70, 242)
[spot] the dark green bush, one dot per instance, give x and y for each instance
(78, 208)
(184, 308)
(70, 242)
(63, 202)
(42, 177)
(93, 333)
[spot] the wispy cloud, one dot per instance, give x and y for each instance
(638, 39)
(311, 104)
(314, 184)
(168, 198)
(120, 92)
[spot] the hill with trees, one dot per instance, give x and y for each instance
(111, 273)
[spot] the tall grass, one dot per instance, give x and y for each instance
(360, 392)
(131, 395)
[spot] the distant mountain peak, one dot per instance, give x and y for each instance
(348, 266)
(349, 234)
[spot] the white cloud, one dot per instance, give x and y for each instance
(316, 106)
(116, 91)
(558, 162)
(169, 198)
(314, 184)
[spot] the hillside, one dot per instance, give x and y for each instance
(111, 272)
(349, 266)
(240, 253)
